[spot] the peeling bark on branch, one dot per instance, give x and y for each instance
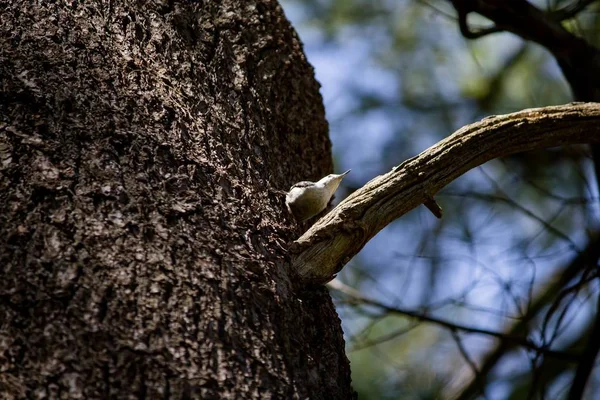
(329, 244)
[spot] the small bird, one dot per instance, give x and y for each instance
(306, 199)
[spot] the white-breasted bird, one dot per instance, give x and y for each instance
(307, 199)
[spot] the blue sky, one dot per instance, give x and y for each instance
(477, 271)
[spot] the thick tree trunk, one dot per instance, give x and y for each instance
(142, 234)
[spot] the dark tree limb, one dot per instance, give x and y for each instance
(578, 60)
(463, 11)
(329, 244)
(527, 21)
(586, 366)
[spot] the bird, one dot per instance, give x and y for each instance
(306, 199)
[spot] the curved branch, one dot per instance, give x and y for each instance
(578, 59)
(465, 30)
(571, 10)
(525, 20)
(329, 244)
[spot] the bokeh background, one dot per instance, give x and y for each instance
(397, 76)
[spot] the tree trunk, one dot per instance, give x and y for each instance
(142, 233)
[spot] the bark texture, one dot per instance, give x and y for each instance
(142, 237)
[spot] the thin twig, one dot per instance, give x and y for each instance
(515, 340)
(463, 351)
(546, 295)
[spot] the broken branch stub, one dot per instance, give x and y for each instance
(333, 240)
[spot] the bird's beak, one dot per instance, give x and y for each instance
(345, 173)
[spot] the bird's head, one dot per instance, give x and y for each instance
(332, 181)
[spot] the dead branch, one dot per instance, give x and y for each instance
(330, 243)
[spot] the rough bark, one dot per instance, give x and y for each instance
(330, 243)
(142, 237)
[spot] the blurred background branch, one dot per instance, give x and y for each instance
(507, 338)
(508, 256)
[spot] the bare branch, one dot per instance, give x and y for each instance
(523, 19)
(585, 367)
(589, 256)
(579, 60)
(453, 327)
(465, 354)
(329, 244)
(501, 13)
(463, 12)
